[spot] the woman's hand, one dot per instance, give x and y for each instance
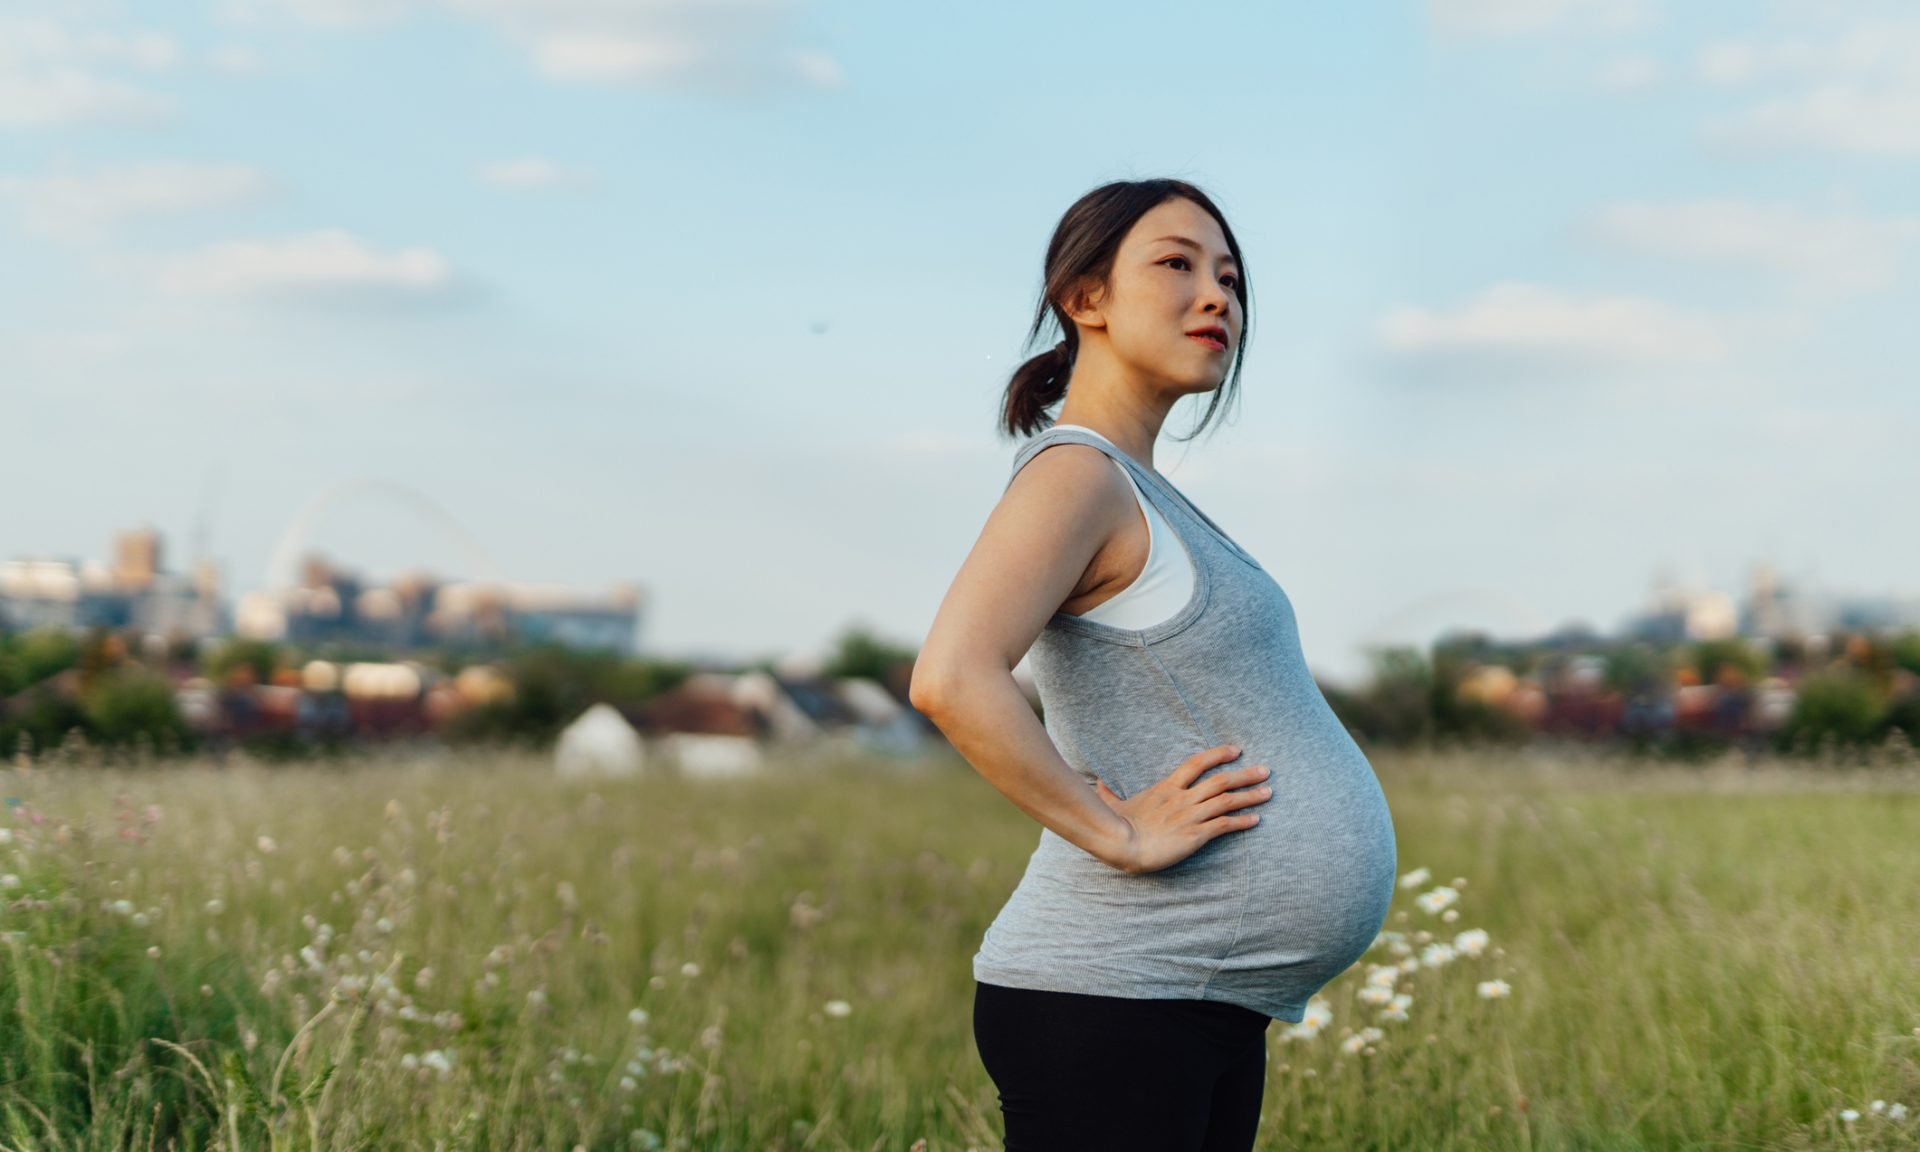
(1171, 820)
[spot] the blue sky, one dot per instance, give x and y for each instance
(1551, 296)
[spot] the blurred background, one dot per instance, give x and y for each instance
(675, 331)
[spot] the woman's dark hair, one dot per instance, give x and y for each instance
(1081, 252)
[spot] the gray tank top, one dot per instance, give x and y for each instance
(1262, 917)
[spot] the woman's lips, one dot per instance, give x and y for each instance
(1212, 342)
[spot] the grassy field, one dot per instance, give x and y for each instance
(458, 952)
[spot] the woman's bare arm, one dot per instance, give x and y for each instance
(1034, 551)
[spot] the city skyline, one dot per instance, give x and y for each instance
(416, 607)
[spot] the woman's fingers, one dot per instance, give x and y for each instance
(1224, 781)
(1231, 801)
(1191, 768)
(1231, 822)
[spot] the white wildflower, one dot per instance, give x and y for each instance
(1353, 1044)
(1318, 1014)
(1416, 878)
(1450, 915)
(123, 907)
(1410, 964)
(215, 907)
(1436, 955)
(1472, 942)
(1383, 976)
(439, 1061)
(1375, 994)
(6, 835)
(628, 1084)
(9, 881)
(1493, 989)
(140, 920)
(689, 969)
(1849, 1115)
(409, 1061)
(638, 1017)
(1438, 899)
(1896, 1111)
(266, 845)
(837, 1008)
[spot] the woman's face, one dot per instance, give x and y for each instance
(1173, 280)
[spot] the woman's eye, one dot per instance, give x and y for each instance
(1173, 259)
(1230, 281)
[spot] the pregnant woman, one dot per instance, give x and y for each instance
(1214, 846)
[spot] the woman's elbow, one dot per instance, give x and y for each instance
(927, 686)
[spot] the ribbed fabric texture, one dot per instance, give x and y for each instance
(1262, 917)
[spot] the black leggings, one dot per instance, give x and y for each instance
(1110, 1074)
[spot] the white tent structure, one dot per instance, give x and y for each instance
(599, 743)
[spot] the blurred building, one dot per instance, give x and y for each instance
(416, 611)
(135, 591)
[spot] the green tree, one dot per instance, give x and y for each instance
(1395, 708)
(1635, 669)
(129, 702)
(1839, 703)
(261, 656)
(861, 653)
(1710, 656)
(1906, 651)
(43, 652)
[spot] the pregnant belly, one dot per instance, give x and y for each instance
(1320, 881)
(1307, 886)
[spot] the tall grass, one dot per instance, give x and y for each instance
(460, 952)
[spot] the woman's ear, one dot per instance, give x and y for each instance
(1082, 305)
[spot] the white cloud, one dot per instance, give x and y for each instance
(1523, 17)
(724, 44)
(1837, 118)
(614, 58)
(818, 69)
(1856, 91)
(322, 13)
(532, 173)
(1539, 321)
(1835, 253)
(1630, 74)
(329, 263)
(235, 60)
(78, 205)
(52, 74)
